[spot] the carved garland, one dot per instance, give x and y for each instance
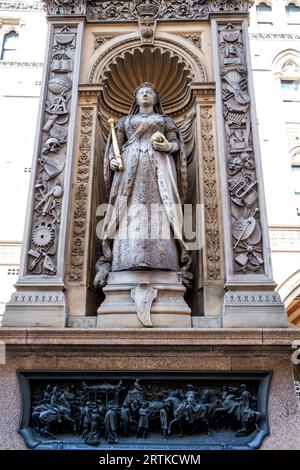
(139, 9)
(241, 173)
(210, 196)
(81, 196)
(99, 11)
(49, 184)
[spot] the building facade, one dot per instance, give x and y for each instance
(148, 346)
(275, 56)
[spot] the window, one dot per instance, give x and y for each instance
(292, 13)
(291, 90)
(13, 271)
(9, 46)
(264, 14)
(296, 185)
(296, 177)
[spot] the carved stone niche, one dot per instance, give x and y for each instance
(130, 410)
(174, 66)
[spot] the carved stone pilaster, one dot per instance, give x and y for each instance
(212, 260)
(85, 197)
(43, 253)
(246, 241)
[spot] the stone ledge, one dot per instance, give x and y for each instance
(154, 337)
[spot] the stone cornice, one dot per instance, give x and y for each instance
(89, 90)
(275, 36)
(23, 6)
(214, 342)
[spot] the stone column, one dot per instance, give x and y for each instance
(39, 299)
(212, 260)
(250, 300)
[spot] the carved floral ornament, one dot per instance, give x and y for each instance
(118, 10)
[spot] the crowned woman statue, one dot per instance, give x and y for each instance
(149, 186)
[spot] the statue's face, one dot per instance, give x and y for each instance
(146, 96)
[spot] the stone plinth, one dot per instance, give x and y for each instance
(252, 309)
(139, 299)
(149, 350)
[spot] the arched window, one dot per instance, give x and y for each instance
(9, 46)
(292, 13)
(264, 14)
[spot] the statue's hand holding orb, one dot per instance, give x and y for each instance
(160, 143)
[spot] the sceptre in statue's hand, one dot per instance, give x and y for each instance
(117, 152)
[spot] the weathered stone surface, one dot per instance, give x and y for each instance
(168, 309)
(155, 349)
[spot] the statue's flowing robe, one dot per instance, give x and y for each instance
(132, 237)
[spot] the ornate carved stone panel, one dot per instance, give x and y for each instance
(66, 7)
(210, 196)
(133, 10)
(78, 229)
(98, 11)
(51, 162)
(133, 410)
(243, 185)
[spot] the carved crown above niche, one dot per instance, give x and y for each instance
(132, 10)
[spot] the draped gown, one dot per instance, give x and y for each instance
(143, 228)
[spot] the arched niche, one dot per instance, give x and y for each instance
(174, 65)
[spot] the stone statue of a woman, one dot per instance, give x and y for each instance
(151, 187)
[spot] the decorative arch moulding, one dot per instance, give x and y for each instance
(110, 11)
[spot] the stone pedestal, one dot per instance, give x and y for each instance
(139, 299)
(139, 351)
(253, 309)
